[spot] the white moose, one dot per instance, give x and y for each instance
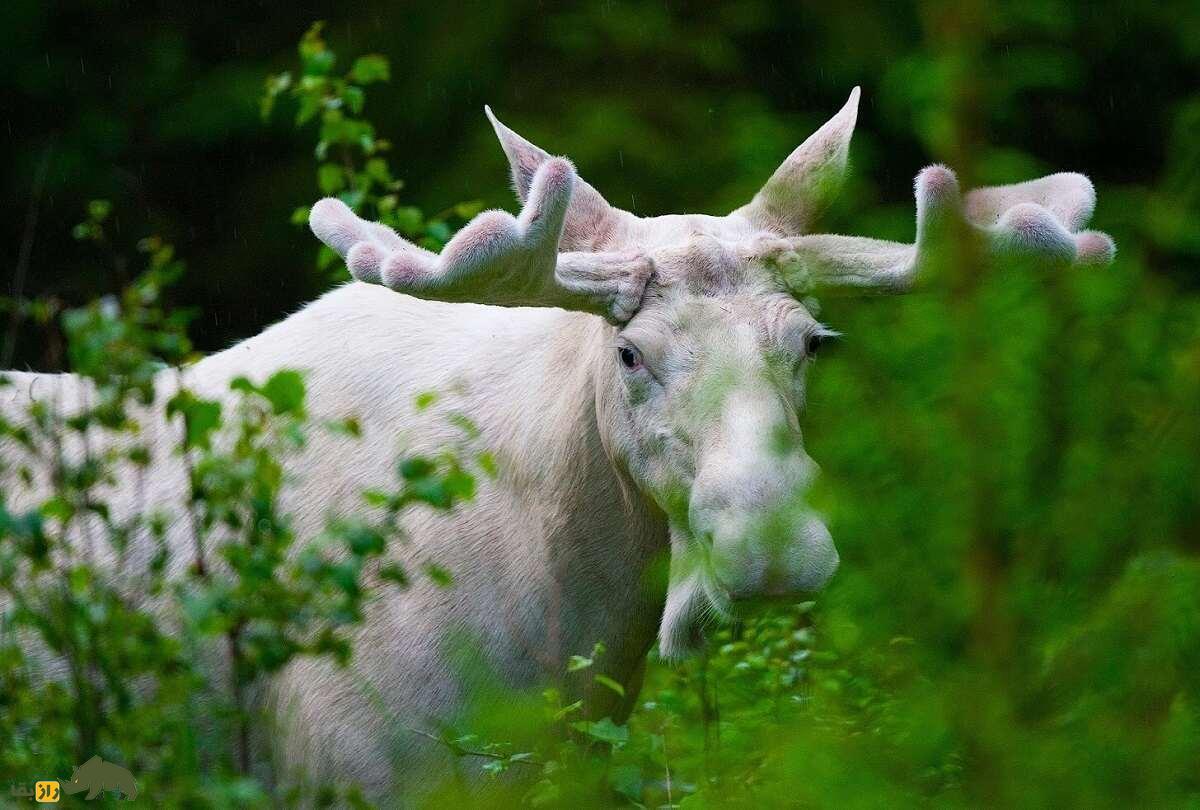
(638, 381)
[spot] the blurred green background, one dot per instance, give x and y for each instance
(664, 106)
(1012, 463)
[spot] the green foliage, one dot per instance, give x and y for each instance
(137, 621)
(351, 159)
(1010, 462)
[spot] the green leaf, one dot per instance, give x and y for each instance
(377, 169)
(58, 508)
(98, 210)
(326, 258)
(569, 709)
(354, 198)
(242, 384)
(416, 467)
(319, 63)
(604, 730)
(578, 662)
(627, 780)
(438, 575)
(355, 99)
(350, 426)
(377, 498)
(308, 108)
(285, 391)
(200, 417)
(466, 210)
(610, 683)
(425, 399)
(330, 178)
(430, 491)
(487, 463)
(439, 231)
(363, 540)
(370, 68)
(459, 484)
(408, 219)
(312, 41)
(391, 572)
(465, 424)
(274, 87)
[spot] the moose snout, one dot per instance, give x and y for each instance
(759, 549)
(748, 505)
(774, 562)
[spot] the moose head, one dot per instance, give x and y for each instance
(710, 331)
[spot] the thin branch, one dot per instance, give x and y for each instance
(470, 752)
(23, 257)
(239, 698)
(667, 766)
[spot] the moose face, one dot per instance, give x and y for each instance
(709, 387)
(703, 375)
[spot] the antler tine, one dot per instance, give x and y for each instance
(1038, 218)
(342, 230)
(496, 258)
(1031, 217)
(510, 258)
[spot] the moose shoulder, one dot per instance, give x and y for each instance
(638, 381)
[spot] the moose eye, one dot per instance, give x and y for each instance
(631, 358)
(815, 341)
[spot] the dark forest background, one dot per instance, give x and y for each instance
(665, 106)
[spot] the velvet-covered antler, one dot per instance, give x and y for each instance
(808, 180)
(515, 261)
(496, 258)
(1039, 218)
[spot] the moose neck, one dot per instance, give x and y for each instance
(562, 533)
(603, 539)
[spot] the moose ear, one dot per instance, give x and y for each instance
(590, 219)
(808, 180)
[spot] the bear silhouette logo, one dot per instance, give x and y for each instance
(96, 776)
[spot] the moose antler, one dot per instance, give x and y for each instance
(496, 258)
(1038, 218)
(515, 261)
(808, 180)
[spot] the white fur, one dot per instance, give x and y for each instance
(547, 559)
